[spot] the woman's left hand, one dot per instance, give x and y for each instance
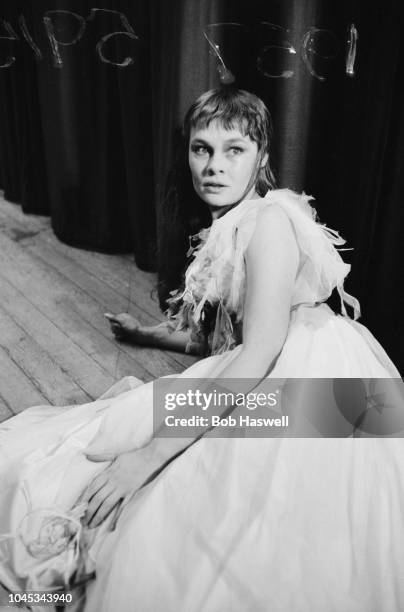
(126, 475)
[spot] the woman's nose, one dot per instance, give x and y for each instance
(215, 164)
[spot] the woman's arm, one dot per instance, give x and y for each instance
(272, 260)
(126, 327)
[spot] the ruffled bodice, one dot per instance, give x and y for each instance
(211, 302)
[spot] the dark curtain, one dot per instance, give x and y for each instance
(77, 140)
(90, 142)
(22, 165)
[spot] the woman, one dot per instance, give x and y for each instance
(237, 524)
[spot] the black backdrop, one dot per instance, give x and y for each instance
(89, 142)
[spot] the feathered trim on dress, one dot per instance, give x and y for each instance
(211, 301)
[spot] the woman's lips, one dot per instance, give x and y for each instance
(213, 188)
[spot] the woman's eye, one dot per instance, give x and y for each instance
(236, 150)
(199, 149)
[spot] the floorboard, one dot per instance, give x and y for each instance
(55, 345)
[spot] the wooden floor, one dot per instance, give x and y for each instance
(56, 347)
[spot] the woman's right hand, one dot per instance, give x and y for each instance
(124, 326)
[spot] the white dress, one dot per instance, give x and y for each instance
(235, 524)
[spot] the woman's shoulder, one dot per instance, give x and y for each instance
(280, 207)
(270, 216)
(289, 200)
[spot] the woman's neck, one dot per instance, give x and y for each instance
(216, 213)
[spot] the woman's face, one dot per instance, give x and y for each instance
(222, 163)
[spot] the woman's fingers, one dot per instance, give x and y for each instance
(116, 325)
(119, 509)
(121, 324)
(100, 458)
(117, 330)
(117, 484)
(95, 501)
(94, 487)
(124, 319)
(102, 505)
